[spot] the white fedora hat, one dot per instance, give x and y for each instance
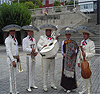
(12, 27)
(48, 26)
(67, 30)
(30, 27)
(85, 29)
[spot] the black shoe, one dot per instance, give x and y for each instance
(34, 87)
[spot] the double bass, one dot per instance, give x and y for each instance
(85, 70)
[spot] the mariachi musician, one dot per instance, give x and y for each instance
(48, 64)
(29, 46)
(12, 54)
(69, 50)
(88, 52)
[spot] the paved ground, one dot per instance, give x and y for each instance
(21, 77)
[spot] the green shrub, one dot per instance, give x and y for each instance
(57, 9)
(40, 4)
(57, 6)
(36, 7)
(29, 4)
(14, 13)
(20, 1)
(33, 12)
(56, 3)
(70, 3)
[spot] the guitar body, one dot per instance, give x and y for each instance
(50, 50)
(85, 70)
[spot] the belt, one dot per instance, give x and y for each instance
(51, 58)
(28, 54)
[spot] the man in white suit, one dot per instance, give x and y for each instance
(88, 47)
(29, 46)
(12, 54)
(48, 64)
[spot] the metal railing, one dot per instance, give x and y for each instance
(78, 22)
(53, 9)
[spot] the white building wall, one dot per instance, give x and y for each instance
(4, 1)
(86, 5)
(86, 0)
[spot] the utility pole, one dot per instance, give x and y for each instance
(74, 3)
(98, 12)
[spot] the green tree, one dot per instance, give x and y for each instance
(29, 5)
(14, 13)
(37, 3)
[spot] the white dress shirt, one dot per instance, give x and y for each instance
(11, 47)
(26, 44)
(89, 49)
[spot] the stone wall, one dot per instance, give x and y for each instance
(58, 19)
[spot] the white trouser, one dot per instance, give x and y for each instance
(48, 65)
(31, 71)
(87, 84)
(12, 73)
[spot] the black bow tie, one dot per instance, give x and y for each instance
(12, 36)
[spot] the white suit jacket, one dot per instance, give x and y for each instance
(89, 49)
(11, 47)
(26, 45)
(43, 41)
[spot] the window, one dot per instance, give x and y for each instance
(0, 2)
(6, 1)
(51, 1)
(86, 7)
(43, 2)
(61, 0)
(95, 5)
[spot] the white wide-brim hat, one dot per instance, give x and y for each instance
(85, 29)
(67, 30)
(12, 27)
(48, 26)
(30, 27)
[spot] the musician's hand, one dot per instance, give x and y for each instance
(18, 60)
(44, 46)
(63, 54)
(56, 37)
(83, 53)
(33, 50)
(14, 64)
(79, 65)
(35, 54)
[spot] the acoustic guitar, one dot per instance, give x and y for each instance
(85, 70)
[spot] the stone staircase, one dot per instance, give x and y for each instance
(92, 25)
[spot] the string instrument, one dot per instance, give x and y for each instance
(85, 70)
(50, 50)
